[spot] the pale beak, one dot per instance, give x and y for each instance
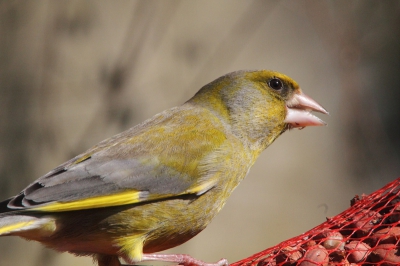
(299, 109)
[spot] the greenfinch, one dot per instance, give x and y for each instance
(160, 183)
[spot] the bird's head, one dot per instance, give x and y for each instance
(258, 106)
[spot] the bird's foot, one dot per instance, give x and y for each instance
(182, 259)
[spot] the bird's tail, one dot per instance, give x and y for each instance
(10, 224)
(20, 222)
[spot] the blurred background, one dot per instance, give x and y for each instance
(73, 73)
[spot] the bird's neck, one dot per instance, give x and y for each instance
(245, 114)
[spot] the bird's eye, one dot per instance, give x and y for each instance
(275, 84)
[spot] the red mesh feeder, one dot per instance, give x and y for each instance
(367, 233)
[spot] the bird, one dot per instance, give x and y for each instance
(161, 182)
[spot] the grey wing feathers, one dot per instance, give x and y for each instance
(97, 176)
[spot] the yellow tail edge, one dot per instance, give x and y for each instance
(19, 226)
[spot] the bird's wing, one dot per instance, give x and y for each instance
(167, 158)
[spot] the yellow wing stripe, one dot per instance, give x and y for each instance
(122, 198)
(118, 199)
(13, 227)
(202, 188)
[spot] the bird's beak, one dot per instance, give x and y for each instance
(299, 109)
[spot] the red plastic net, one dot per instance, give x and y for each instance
(367, 233)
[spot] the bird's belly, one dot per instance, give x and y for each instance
(160, 225)
(172, 222)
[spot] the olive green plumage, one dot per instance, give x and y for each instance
(160, 183)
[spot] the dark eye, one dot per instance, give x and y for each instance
(275, 84)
